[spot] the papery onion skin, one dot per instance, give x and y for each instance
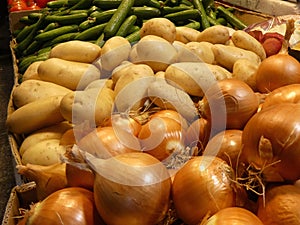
(103, 142)
(203, 185)
(226, 145)
(233, 215)
(276, 71)
(285, 94)
(122, 203)
(281, 206)
(231, 98)
(161, 137)
(72, 205)
(271, 142)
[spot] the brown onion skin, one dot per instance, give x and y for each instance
(73, 205)
(203, 185)
(172, 137)
(285, 94)
(278, 125)
(281, 205)
(240, 101)
(233, 215)
(276, 71)
(226, 145)
(145, 204)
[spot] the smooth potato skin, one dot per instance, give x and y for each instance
(35, 115)
(217, 34)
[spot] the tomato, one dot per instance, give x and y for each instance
(42, 3)
(18, 5)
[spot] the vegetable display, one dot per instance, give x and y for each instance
(172, 127)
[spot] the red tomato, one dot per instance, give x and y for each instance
(42, 3)
(32, 5)
(18, 5)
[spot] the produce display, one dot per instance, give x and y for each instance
(192, 121)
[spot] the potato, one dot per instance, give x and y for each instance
(131, 87)
(203, 50)
(32, 90)
(192, 77)
(32, 71)
(76, 50)
(115, 50)
(217, 34)
(72, 75)
(92, 106)
(226, 55)
(44, 153)
(185, 54)
(167, 96)
(186, 34)
(118, 71)
(35, 115)
(161, 27)
(155, 52)
(52, 132)
(100, 83)
(246, 41)
(245, 70)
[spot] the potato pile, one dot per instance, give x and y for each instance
(82, 84)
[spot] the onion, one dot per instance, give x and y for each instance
(131, 188)
(202, 186)
(288, 93)
(79, 175)
(161, 137)
(71, 205)
(48, 179)
(172, 114)
(198, 134)
(271, 142)
(281, 206)
(277, 71)
(233, 215)
(229, 104)
(68, 138)
(105, 142)
(226, 145)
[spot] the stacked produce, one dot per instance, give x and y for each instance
(96, 21)
(178, 126)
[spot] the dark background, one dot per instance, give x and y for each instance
(7, 174)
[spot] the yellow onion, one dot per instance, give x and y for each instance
(202, 186)
(229, 104)
(277, 71)
(226, 145)
(73, 205)
(105, 142)
(161, 137)
(48, 179)
(233, 215)
(280, 205)
(271, 142)
(288, 93)
(131, 188)
(198, 134)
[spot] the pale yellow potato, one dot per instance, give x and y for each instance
(185, 54)
(76, 50)
(93, 106)
(217, 34)
(69, 74)
(35, 115)
(159, 26)
(226, 55)
(203, 50)
(131, 87)
(193, 77)
(186, 34)
(118, 71)
(52, 132)
(100, 83)
(245, 70)
(167, 96)
(32, 90)
(32, 71)
(115, 50)
(156, 52)
(44, 153)
(244, 40)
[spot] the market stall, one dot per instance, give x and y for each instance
(154, 112)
